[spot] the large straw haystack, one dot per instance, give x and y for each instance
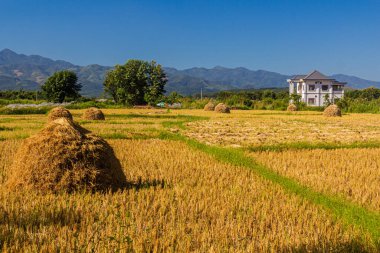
(59, 112)
(222, 108)
(292, 108)
(66, 157)
(93, 114)
(210, 106)
(332, 111)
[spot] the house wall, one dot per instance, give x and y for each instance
(317, 94)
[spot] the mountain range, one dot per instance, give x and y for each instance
(19, 71)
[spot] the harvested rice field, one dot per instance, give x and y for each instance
(261, 128)
(248, 181)
(350, 173)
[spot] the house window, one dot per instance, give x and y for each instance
(311, 101)
(325, 87)
(311, 87)
(337, 87)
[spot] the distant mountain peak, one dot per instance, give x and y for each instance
(19, 71)
(7, 56)
(7, 51)
(218, 67)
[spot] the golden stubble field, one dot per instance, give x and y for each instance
(181, 199)
(351, 173)
(247, 128)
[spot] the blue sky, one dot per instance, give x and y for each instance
(288, 36)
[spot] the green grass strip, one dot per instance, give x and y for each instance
(342, 209)
(121, 136)
(179, 124)
(3, 128)
(308, 146)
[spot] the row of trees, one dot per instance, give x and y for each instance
(141, 82)
(136, 82)
(20, 95)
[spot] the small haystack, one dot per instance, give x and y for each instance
(93, 114)
(59, 112)
(332, 111)
(65, 157)
(292, 108)
(210, 106)
(222, 108)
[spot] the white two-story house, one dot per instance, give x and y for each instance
(314, 87)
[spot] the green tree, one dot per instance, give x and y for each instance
(113, 81)
(61, 85)
(370, 93)
(269, 94)
(155, 83)
(173, 97)
(326, 100)
(295, 98)
(136, 82)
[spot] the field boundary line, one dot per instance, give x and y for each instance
(349, 212)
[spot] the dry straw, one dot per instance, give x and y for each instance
(332, 111)
(65, 157)
(292, 108)
(210, 106)
(222, 108)
(59, 112)
(93, 114)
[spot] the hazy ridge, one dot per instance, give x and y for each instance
(28, 72)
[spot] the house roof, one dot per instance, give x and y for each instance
(316, 75)
(340, 83)
(297, 77)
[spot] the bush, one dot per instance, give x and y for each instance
(26, 110)
(191, 103)
(20, 101)
(92, 103)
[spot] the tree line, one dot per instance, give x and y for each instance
(140, 82)
(134, 83)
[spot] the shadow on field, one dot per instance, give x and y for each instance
(145, 184)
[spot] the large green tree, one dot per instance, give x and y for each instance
(61, 85)
(136, 82)
(157, 79)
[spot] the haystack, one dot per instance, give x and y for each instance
(93, 114)
(292, 108)
(65, 157)
(59, 112)
(332, 111)
(222, 108)
(210, 106)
